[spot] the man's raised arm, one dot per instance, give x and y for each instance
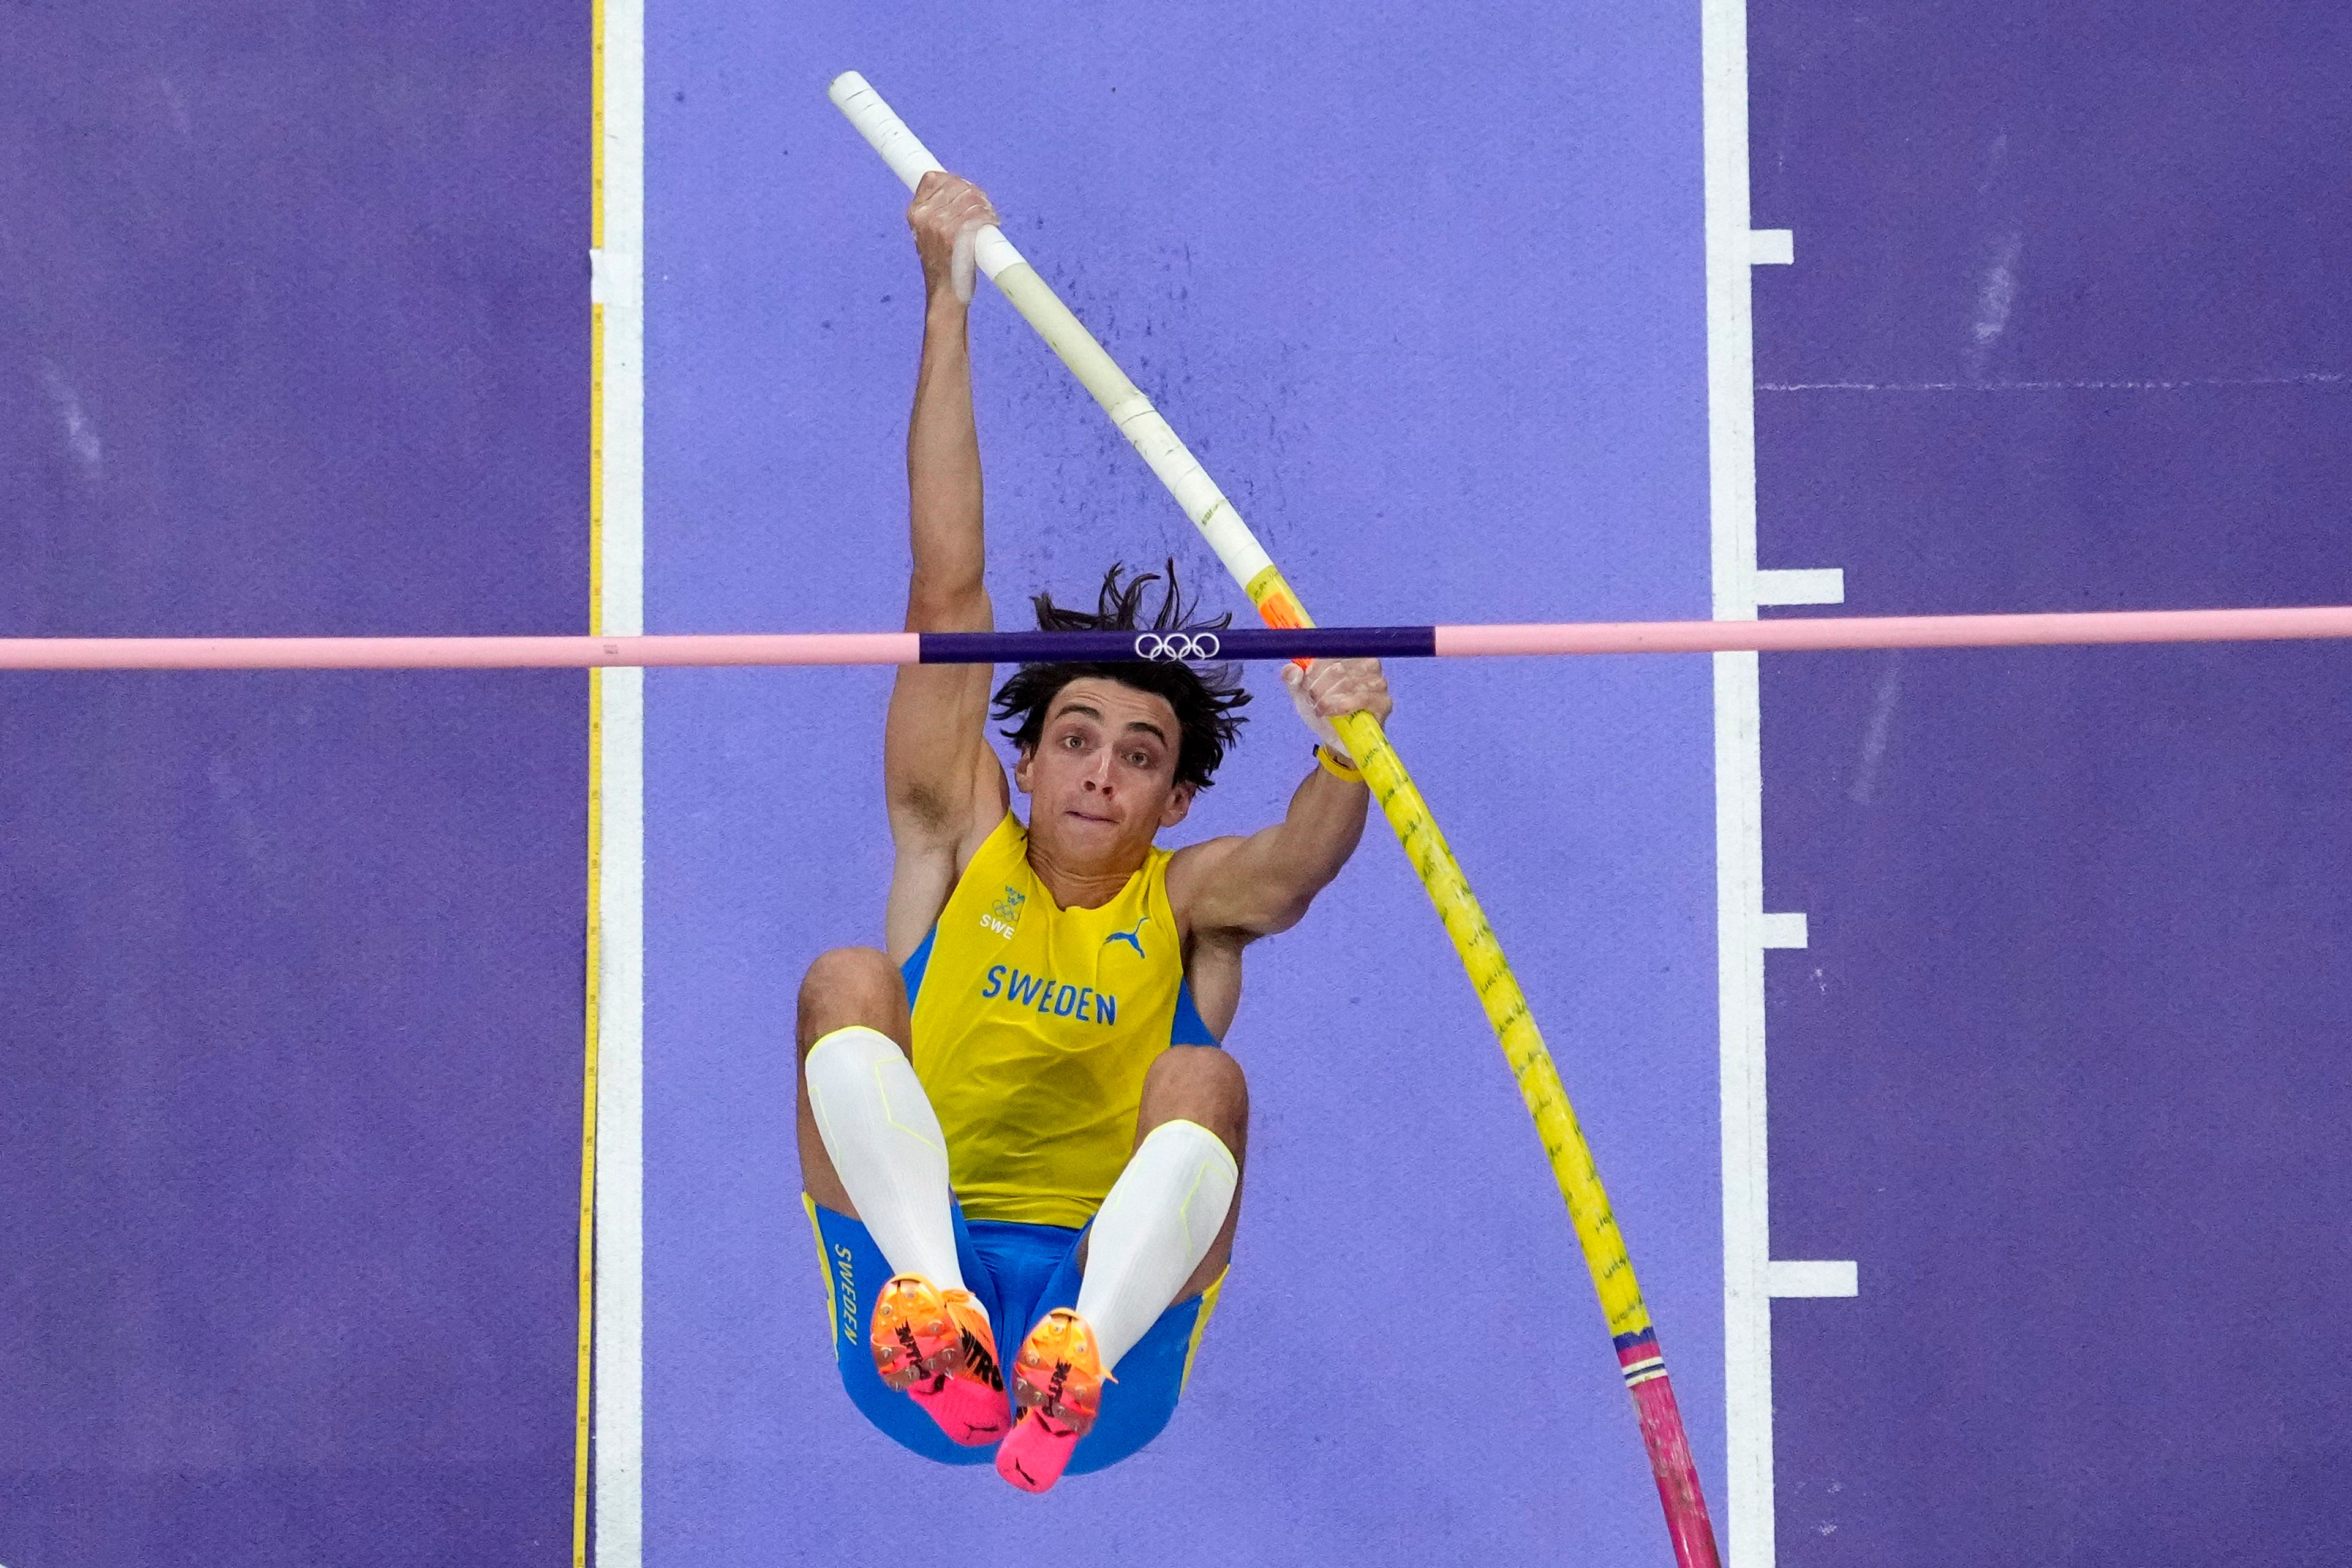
(1254, 886)
(945, 786)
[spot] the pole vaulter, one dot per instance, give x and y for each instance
(1506, 1009)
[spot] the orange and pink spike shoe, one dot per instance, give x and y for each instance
(1057, 1381)
(935, 1346)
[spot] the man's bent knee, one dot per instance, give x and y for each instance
(1197, 1083)
(851, 985)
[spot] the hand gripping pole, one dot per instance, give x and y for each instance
(1408, 815)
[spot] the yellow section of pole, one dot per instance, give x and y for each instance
(1507, 1013)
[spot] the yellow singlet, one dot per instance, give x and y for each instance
(1034, 1025)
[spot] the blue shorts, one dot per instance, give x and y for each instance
(1020, 1272)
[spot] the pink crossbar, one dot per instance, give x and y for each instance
(1823, 633)
(453, 653)
(1848, 632)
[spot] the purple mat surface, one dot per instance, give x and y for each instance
(2062, 1067)
(293, 339)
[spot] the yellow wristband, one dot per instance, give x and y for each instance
(1336, 768)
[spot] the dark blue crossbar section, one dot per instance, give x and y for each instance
(1201, 646)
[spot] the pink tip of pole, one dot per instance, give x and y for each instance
(1677, 1475)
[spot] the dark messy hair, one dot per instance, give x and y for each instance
(1204, 701)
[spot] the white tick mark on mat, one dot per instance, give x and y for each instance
(1995, 296)
(82, 436)
(1874, 739)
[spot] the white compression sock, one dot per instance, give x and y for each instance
(885, 1140)
(1160, 1219)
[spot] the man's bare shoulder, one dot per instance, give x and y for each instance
(1193, 860)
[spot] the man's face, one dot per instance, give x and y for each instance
(1102, 779)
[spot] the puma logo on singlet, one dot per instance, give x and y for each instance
(1133, 938)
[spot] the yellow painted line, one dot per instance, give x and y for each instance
(584, 1371)
(586, 1365)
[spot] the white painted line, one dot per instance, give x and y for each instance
(620, 1132)
(1783, 930)
(619, 1481)
(1771, 247)
(1746, 1188)
(624, 603)
(1809, 585)
(1746, 1517)
(1819, 1279)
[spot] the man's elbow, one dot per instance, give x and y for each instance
(956, 603)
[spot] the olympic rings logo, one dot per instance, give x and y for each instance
(1177, 647)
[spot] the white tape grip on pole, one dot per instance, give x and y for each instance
(883, 130)
(909, 158)
(1208, 507)
(995, 253)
